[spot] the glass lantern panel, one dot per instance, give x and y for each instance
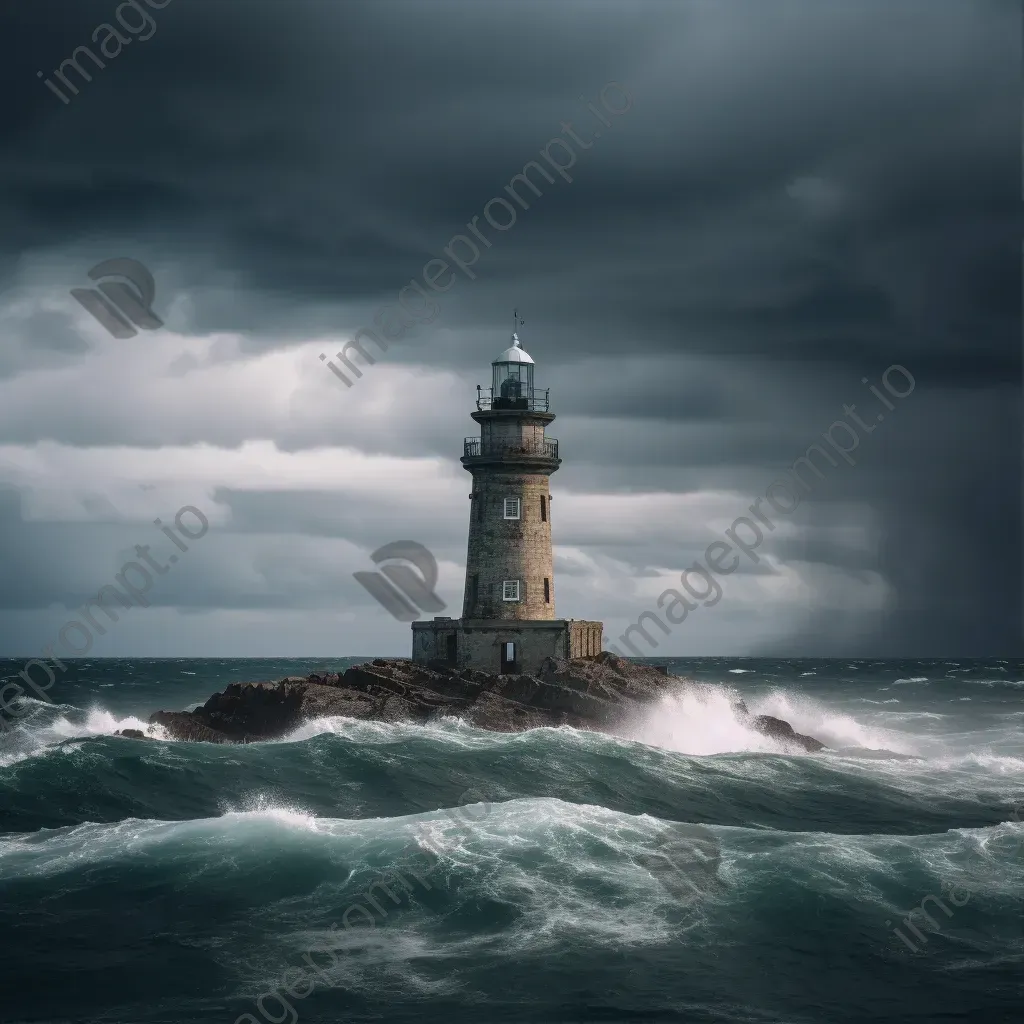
(513, 380)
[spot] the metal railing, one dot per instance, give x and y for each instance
(545, 447)
(532, 400)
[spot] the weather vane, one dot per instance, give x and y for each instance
(516, 322)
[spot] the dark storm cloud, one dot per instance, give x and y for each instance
(800, 195)
(273, 139)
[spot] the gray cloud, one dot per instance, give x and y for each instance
(801, 195)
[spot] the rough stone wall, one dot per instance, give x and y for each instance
(478, 646)
(482, 646)
(430, 640)
(508, 549)
(585, 638)
(511, 431)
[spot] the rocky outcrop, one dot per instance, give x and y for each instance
(599, 693)
(776, 728)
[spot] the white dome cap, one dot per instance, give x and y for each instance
(515, 354)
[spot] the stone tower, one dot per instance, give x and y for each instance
(508, 619)
(509, 565)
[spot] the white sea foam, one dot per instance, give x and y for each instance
(98, 722)
(699, 720)
(833, 728)
(101, 722)
(43, 728)
(374, 733)
(261, 806)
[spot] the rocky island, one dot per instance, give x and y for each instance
(508, 664)
(603, 693)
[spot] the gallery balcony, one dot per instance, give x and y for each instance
(544, 448)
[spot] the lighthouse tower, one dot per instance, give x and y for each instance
(508, 622)
(509, 565)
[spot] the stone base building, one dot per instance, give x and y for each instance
(508, 622)
(505, 647)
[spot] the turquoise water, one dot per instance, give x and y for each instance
(686, 872)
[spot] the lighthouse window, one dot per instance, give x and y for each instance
(511, 508)
(510, 590)
(547, 590)
(543, 509)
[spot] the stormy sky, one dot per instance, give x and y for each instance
(797, 196)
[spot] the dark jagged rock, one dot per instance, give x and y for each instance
(132, 734)
(780, 730)
(776, 728)
(602, 693)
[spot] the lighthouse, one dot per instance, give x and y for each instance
(508, 622)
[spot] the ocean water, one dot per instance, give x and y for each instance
(690, 871)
